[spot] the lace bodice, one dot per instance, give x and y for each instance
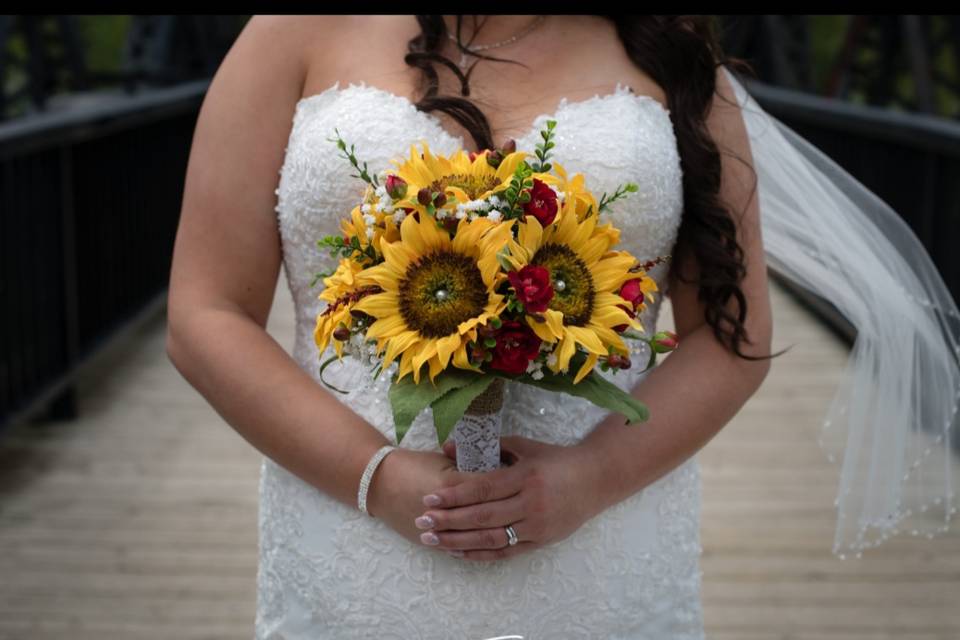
(633, 567)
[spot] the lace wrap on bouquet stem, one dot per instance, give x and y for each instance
(893, 417)
(477, 433)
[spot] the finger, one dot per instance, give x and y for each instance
(478, 516)
(498, 554)
(476, 488)
(450, 449)
(492, 538)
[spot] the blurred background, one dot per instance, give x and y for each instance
(128, 509)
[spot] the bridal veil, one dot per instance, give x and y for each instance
(892, 421)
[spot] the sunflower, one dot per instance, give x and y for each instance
(436, 291)
(456, 176)
(341, 291)
(586, 278)
(370, 229)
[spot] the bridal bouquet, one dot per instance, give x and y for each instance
(463, 272)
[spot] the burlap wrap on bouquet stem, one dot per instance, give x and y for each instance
(477, 434)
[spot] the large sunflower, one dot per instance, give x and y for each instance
(435, 292)
(586, 278)
(458, 175)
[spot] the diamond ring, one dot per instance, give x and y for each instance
(512, 538)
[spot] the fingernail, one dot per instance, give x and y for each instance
(429, 538)
(425, 522)
(456, 553)
(432, 500)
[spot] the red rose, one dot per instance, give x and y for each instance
(533, 287)
(516, 346)
(543, 203)
(630, 291)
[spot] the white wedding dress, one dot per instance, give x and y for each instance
(326, 570)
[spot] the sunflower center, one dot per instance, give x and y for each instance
(473, 186)
(440, 291)
(573, 291)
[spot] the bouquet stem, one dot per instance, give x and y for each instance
(477, 433)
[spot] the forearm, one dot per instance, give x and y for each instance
(691, 395)
(270, 401)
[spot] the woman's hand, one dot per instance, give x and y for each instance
(396, 491)
(547, 493)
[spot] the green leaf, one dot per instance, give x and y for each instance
(597, 390)
(408, 399)
(450, 407)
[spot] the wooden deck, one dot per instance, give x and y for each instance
(139, 519)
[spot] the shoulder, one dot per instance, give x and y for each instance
(727, 128)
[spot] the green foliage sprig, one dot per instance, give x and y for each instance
(362, 173)
(543, 149)
(517, 193)
(621, 192)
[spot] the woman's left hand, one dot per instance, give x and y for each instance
(548, 492)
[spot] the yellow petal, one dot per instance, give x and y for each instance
(397, 255)
(423, 238)
(509, 165)
(399, 344)
(530, 235)
(387, 327)
(564, 352)
(427, 350)
(460, 359)
(435, 368)
(446, 347)
(379, 304)
(609, 337)
(587, 338)
(587, 367)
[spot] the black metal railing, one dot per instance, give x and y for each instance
(90, 204)
(911, 161)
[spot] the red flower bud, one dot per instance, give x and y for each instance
(440, 200)
(510, 146)
(396, 187)
(618, 362)
(424, 196)
(341, 333)
(664, 341)
(494, 159)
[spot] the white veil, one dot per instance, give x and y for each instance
(893, 417)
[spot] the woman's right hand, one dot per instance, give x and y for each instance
(396, 491)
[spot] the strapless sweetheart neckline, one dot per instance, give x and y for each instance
(621, 91)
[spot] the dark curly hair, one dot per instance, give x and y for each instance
(682, 54)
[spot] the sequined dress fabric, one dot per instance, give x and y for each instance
(326, 570)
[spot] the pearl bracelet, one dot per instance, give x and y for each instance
(368, 476)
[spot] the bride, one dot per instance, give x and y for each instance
(607, 515)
